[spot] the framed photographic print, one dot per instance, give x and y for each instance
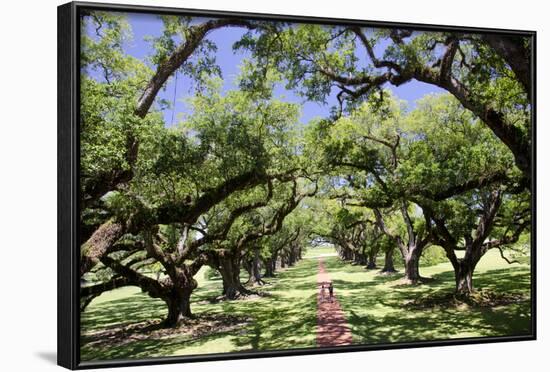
(236, 185)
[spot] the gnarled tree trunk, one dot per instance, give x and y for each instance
(179, 306)
(291, 256)
(255, 277)
(98, 244)
(360, 258)
(178, 296)
(346, 254)
(463, 278)
(269, 264)
(229, 268)
(371, 259)
(388, 262)
(411, 260)
(464, 272)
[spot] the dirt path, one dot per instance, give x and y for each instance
(332, 328)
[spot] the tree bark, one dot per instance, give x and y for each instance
(271, 264)
(85, 301)
(464, 272)
(255, 277)
(179, 306)
(346, 254)
(98, 289)
(269, 268)
(371, 262)
(463, 279)
(388, 262)
(229, 268)
(98, 244)
(180, 285)
(513, 50)
(291, 256)
(412, 259)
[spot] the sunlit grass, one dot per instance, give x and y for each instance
(374, 303)
(286, 317)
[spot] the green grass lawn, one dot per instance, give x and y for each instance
(321, 251)
(285, 317)
(374, 304)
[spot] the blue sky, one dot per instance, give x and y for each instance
(229, 61)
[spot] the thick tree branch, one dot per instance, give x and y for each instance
(370, 51)
(387, 231)
(408, 223)
(189, 213)
(99, 243)
(97, 289)
(194, 37)
(485, 223)
(276, 222)
(155, 251)
(458, 189)
(233, 215)
(149, 285)
(512, 136)
(507, 239)
(517, 55)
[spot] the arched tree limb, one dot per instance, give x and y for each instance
(194, 37)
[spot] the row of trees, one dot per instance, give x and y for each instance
(158, 203)
(454, 172)
(432, 176)
(227, 187)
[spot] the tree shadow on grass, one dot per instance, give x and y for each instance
(304, 269)
(378, 314)
(281, 324)
(513, 279)
(134, 308)
(136, 341)
(441, 324)
(288, 319)
(147, 348)
(285, 318)
(375, 308)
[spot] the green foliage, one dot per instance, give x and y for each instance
(449, 146)
(373, 153)
(211, 274)
(102, 48)
(110, 84)
(392, 153)
(177, 30)
(433, 255)
(319, 61)
(289, 50)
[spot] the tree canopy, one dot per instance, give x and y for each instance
(239, 182)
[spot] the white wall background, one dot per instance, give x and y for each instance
(28, 183)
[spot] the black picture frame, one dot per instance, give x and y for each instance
(68, 317)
